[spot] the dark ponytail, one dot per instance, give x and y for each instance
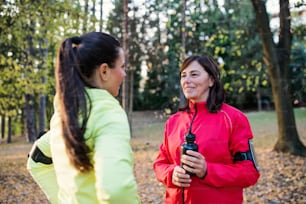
(77, 59)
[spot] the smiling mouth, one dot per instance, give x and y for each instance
(188, 88)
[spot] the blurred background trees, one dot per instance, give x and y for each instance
(158, 35)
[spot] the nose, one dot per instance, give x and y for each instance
(186, 79)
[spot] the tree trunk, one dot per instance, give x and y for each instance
(101, 16)
(30, 117)
(258, 96)
(132, 73)
(9, 130)
(43, 50)
(42, 112)
(85, 18)
(29, 97)
(2, 126)
(183, 51)
(277, 60)
(23, 124)
(125, 85)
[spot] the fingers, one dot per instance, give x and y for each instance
(194, 169)
(194, 154)
(194, 162)
(180, 178)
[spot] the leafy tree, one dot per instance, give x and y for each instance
(27, 53)
(227, 33)
(155, 95)
(133, 50)
(135, 58)
(277, 60)
(297, 73)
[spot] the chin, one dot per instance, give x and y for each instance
(115, 94)
(192, 99)
(189, 97)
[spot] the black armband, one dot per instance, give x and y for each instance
(39, 156)
(248, 155)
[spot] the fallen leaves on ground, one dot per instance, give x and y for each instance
(282, 177)
(282, 180)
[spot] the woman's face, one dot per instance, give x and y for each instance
(117, 74)
(196, 82)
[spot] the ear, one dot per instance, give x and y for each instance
(211, 82)
(104, 71)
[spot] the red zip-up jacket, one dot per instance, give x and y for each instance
(219, 137)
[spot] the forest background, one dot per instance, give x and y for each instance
(157, 35)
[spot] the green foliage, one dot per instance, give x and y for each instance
(226, 32)
(229, 35)
(30, 33)
(32, 30)
(162, 54)
(135, 41)
(297, 73)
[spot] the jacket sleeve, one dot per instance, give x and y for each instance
(241, 174)
(113, 160)
(44, 174)
(162, 165)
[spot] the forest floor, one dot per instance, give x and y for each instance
(283, 176)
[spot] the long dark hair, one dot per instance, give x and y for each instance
(216, 93)
(77, 59)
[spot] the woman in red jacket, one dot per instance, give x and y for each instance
(218, 161)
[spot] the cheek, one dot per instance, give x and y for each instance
(123, 73)
(120, 76)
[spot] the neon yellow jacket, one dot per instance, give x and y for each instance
(108, 136)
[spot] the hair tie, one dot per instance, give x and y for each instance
(76, 41)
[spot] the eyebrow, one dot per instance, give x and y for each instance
(184, 71)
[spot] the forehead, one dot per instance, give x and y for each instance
(193, 66)
(121, 55)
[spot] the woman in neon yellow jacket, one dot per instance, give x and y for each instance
(86, 155)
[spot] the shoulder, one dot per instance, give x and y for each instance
(176, 119)
(105, 110)
(103, 103)
(100, 98)
(176, 116)
(232, 112)
(231, 109)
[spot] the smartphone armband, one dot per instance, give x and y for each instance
(38, 156)
(248, 155)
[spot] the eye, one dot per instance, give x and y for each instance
(123, 67)
(183, 75)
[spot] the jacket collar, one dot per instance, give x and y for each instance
(201, 106)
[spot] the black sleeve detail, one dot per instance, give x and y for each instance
(39, 156)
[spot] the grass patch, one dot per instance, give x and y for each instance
(265, 128)
(263, 124)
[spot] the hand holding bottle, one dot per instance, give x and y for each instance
(194, 162)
